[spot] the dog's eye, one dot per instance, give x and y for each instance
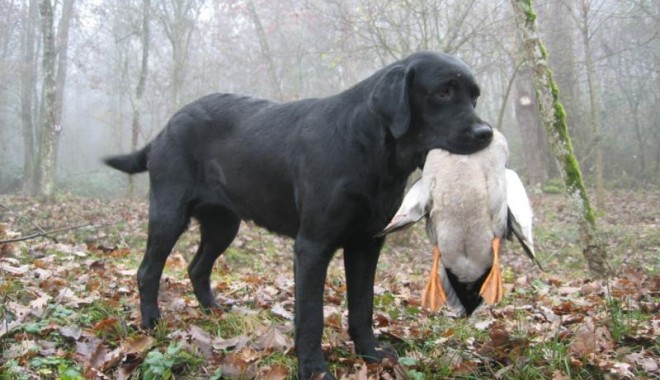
(444, 93)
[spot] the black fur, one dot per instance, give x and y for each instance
(328, 172)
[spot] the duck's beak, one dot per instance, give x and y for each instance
(492, 289)
(434, 295)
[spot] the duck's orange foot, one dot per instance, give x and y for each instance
(434, 295)
(492, 290)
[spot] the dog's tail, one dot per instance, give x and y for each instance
(131, 163)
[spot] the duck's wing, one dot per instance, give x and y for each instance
(520, 214)
(413, 208)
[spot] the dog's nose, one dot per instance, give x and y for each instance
(482, 132)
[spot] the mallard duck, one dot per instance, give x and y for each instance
(471, 203)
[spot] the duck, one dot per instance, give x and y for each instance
(471, 202)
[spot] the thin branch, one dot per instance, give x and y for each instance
(51, 232)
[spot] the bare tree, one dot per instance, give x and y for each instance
(139, 89)
(62, 46)
(28, 84)
(178, 18)
(585, 21)
(45, 168)
(530, 127)
(265, 49)
(554, 120)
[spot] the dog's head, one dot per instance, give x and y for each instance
(429, 101)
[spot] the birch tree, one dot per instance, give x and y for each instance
(554, 120)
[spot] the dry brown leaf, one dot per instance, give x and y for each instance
(362, 373)
(201, 339)
(237, 342)
(105, 325)
(589, 339)
(279, 311)
(274, 372)
(97, 360)
(273, 339)
(559, 375)
(137, 344)
(234, 366)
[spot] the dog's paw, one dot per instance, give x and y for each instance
(322, 376)
(150, 318)
(381, 352)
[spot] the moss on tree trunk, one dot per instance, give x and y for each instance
(553, 117)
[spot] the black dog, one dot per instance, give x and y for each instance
(328, 172)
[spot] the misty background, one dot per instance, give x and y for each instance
(119, 69)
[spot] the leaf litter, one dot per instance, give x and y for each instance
(70, 304)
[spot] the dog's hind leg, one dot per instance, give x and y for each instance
(360, 260)
(167, 221)
(218, 227)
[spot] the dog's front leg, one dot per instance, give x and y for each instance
(311, 265)
(360, 260)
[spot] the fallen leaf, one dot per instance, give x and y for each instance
(105, 325)
(361, 373)
(40, 302)
(233, 366)
(73, 332)
(201, 339)
(20, 270)
(137, 344)
(274, 372)
(559, 375)
(589, 339)
(273, 339)
(237, 342)
(279, 311)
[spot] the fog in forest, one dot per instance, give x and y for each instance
(117, 70)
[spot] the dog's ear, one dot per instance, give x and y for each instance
(389, 98)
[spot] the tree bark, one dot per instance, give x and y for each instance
(45, 167)
(594, 114)
(62, 46)
(28, 79)
(553, 118)
(530, 128)
(139, 89)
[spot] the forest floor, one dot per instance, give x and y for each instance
(70, 304)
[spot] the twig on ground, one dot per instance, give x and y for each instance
(46, 233)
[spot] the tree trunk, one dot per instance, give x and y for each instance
(530, 128)
(139, 89)
(45, 167)
(178, 18)
(28, 79)
(553, 118)
(594, 115)
(265, 50)
(60, 81)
